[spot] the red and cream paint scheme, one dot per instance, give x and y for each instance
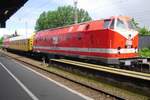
(107, 40)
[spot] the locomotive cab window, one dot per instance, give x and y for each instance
(112, 24)
(131, 25)
(106, 23)
(121, 24)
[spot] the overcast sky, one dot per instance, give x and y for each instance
(24, 20)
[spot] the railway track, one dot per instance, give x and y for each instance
(130, 80)
(96, 67)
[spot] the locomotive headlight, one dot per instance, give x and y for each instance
(129, 41)
(136, 50)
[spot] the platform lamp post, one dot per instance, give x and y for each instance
(75, 11)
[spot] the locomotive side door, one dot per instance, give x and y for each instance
(88, 42)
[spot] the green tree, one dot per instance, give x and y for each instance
(1, 41)
(41, 22)
(141, 30)
(136, 24)
(144, 31)
(62, 16)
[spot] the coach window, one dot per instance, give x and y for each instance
(106, 23)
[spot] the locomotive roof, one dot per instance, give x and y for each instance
(50, 29)
(67, 26)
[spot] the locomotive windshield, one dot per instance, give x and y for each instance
(109, 23)
(125, 24)
(131, 25)
(112, 24)
(120, 24)
(106, 23)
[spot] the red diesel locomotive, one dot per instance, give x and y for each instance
(111, 41)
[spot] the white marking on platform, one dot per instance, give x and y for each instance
(59, 84)
(20, 83)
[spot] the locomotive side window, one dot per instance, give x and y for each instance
(106, 23)
(68, 37)
(112, 24)
(55, 40)
(120, 24)
(79, 36)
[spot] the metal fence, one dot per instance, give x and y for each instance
(144, 42)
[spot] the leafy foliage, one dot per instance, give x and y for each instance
(1, 41)
(136, 24)
(62, 16)
(145, 52)
(144, 31)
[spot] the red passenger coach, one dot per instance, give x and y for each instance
(109, 40)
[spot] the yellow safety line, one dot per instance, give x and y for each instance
(102, 69)
(120, 70)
